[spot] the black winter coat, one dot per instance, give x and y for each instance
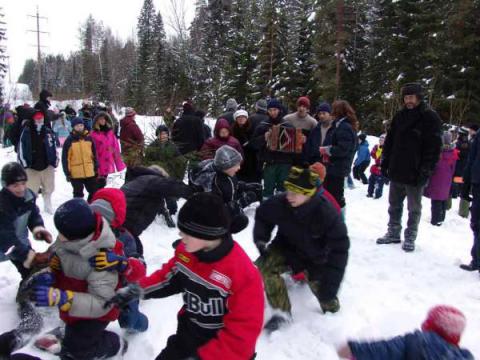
(343, 144)
(311, 149)
(312, 237)
(227, 116)
(249, 168)
(463, 147)
(257, 118)
(17, 216)
(413, 144)
(471, 173)
(188, 133)
(145, 195)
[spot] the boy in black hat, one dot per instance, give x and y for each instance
(222, 314)
(311, 237)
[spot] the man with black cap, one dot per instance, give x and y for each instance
(260, 114)
(230, 107)
(222, 314)
(311, 237)
(411, 151)
(187, 131)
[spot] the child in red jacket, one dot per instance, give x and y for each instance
(222, 314)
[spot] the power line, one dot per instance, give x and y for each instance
(39, 53)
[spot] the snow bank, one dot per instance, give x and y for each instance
(385, 292)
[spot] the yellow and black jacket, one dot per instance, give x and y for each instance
(79, 156)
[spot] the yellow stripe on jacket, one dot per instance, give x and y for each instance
(80, 159)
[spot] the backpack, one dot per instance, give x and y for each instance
(202, 174)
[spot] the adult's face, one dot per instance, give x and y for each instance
(324, 117)
(18, 189)
(273, 112)
(302, 110)
(411, 101)
(241, 120)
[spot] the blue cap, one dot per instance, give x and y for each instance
(274, 103)
(325, 107)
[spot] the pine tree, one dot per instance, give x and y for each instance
(144, 71)
(3, 55)
(158, 84)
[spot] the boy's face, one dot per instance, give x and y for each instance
(302, 110)
(273, 112)
(323, 116)
(193, 244)
(296, 200)
(18, 189)
(232, 171)
(79, 128)
(163, 136)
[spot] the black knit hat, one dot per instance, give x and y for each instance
(301, 181)
(75, 219)
(412, 89)
(204, 216)
(162, 128)
(362, 137)
(13, 172)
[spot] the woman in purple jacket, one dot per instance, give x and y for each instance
(438, 188)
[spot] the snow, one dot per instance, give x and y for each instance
(385, 292)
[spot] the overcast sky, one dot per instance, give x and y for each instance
(64, 19)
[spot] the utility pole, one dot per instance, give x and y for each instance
(39, 53)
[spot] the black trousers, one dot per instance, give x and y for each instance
(475, 224)
(335, 185)
(88, 340)
(89, 183)
(359, 171)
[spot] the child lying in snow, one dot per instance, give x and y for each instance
(439, 339)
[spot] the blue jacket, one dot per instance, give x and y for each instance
(311, 152)
(471, 173)
(413, 346)
(342, 143)
(17, 215)
(25, 149)
(363, 154)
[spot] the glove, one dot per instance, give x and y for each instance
(465, 194)
(41, 259)
(107, 260)
(330, 305)
(43, 278)
(262, 247)
(50, 296)
(55, 263)
(125, 295)
(40, 233)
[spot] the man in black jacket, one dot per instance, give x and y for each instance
(411, 151)
(43, 105)
(187, 132)
(311, 237)
(145, 194)
(260, 115)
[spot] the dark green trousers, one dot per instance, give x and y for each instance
(273, 177)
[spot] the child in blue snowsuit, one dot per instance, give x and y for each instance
(363, 159)
(439, 339)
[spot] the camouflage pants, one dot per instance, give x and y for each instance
(272, 265)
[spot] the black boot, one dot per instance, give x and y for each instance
(275, 323)
(470, 267)
(391, 237)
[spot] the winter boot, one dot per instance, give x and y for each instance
(391, 237)
(276, 322)
(464, 208)
(168, 219)
(408, 245)
(47, 203)
(470, 267)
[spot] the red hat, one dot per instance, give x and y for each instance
(303, 101)
(446, 321)
(118, 205)
(38, 115)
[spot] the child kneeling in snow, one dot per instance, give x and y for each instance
(222, 314)
(76, 288)
(439, 339)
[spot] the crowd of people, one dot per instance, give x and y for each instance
(295, 165)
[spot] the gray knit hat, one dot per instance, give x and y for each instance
(231, 104)
(104, 208)
(226, 157)
(261, 105)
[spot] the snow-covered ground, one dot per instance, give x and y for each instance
(385, 291)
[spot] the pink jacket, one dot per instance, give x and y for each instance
(108, 152)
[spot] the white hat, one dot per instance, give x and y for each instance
(240, 112)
